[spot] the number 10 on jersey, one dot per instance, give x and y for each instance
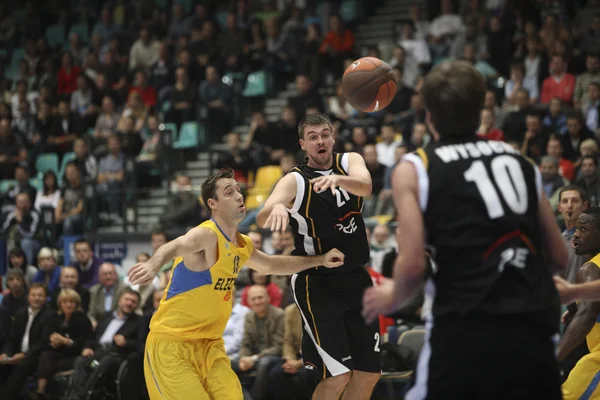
(508, 177)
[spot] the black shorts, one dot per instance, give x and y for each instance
(336, 338)
(486, 359)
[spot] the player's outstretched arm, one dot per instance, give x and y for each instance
(409, 269)
(274, 215)
(569, 292)
(288, 265)
(358, 181)
(586, 315)
(194, 241)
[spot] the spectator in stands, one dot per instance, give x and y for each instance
(386, 148)
(140, 85)
(111, 174)
(49, 273)
(555, 119)
(22, 227)
(484, 68)
(554, 149)
(69, 212)
(66, 333)
(401, 101)
(106, 125)
(517, 81)
(308, 96)
(216, 96)
(258, 279)
(577, 132)
(183, 208)
(26, 341)
(487, 127)
(234, 331)
(85, 162)
(12, 150)
(106, 27)
(381, 244)
(337, 45)
(16, 298)
(82, 104)
(66, 128)
(263, 339)
(338, 107)
(591, 108)
(589, 181)
(183, 99)
(131, 139)
(24, 125)
(67, 74)
(134, 108)
(230, 44)
(69, 279)
(385, 203)
(235, 158)
(22, 93)
(535, 137)
(470, 36)
(592, 74)
(377, 171)
(559, 84)
(105, 294)
(115, 339)
(552, 181)
(290, 380)
(17, 260)
(22, 184)
(144, 52)
(86, 263)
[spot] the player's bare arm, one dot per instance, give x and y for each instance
(358, 181)
(274, 214)
(409, 270)
(194, 242)
(589, 291)
(288, 265)
(553, 242)
(586, 315)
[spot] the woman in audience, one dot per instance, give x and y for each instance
(50, 194)
(66, 335)
(49, 273)
(256, 278)
(17, 259)
(135, 108)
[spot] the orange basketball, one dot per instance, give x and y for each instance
(369, 84)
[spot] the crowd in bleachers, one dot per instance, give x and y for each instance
(85, 85)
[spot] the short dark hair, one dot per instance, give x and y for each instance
(39, 285)
(129, 290)
(571, 188)
(454, 94)
(82, 241)
(594, 212)
(588, 157)
(312, 120)
(209, 187)
(160, 232)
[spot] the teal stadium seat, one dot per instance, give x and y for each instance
(55, 34)
(169, 126)
(17, 54)
(187, 5)
(83, 30)
(166, 106)
(7, 184)
(256, 85)
(37, 183)
(63, 165)
(349, 10)
(222, 18)
(189, 136)
(45, 162)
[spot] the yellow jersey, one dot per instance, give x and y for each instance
(593, 337)
(197, 305)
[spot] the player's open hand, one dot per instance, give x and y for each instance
(325, 182)
(566, 290)
(378, 300)
(141, 274)
(333, 258)
(278, 219)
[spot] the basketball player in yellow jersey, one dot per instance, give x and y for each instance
(584, 378)
(185, 356)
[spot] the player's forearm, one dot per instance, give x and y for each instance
(575, 334)
(589, 291)
(264, 213)
(288, 265)
(165, 253)
(408, 278)
(358, 186)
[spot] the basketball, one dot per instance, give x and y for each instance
(369, 84)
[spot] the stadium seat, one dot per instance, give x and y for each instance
(169, 126)
(45, 162)
(413, 339)
(7, 184)
(189, 136)
(256, 85)
(37, 183)
(55, 34)
(17, 55)
(222, 18)
(166, 107)
(349, 10)
(83, 30)
(267, 177)
(63, 165)
(255, 199)
(187, 5)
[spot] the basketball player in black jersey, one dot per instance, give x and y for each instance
(480, 207)
(324, 199)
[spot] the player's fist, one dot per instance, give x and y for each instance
(333, 258)
(565, 290)
(141, 274)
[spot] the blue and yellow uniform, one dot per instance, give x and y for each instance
(185, 355)
(582, 383)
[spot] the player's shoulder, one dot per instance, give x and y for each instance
(248, 244)
(595, 261)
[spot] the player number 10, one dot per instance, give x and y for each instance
(509, 179)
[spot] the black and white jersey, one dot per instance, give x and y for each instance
(323, 221)
(480, 203)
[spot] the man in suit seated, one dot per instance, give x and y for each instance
(69, 279)
(116, 338)
(104, 294)
(24, 345)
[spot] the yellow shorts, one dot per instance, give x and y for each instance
(583, 380)
(200, 370)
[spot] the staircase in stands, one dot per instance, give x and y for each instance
(375, 30)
